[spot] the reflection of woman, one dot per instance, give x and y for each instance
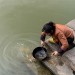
(60, 33)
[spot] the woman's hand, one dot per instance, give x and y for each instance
(42, 43)
(55, 53)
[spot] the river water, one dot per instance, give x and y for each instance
(20, 25)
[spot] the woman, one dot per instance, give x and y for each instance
(60, 33)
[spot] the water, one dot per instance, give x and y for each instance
(20, 25)
(16, 55)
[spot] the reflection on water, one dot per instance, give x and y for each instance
(16, 58)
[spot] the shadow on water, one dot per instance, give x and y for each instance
(16, 58)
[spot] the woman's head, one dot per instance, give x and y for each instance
(49, 28)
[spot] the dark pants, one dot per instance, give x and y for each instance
(70, 40)
(71, 44)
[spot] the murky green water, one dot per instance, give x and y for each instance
(20, 26)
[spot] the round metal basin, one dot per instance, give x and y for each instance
(39, 53)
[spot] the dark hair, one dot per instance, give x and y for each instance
(49, 28)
